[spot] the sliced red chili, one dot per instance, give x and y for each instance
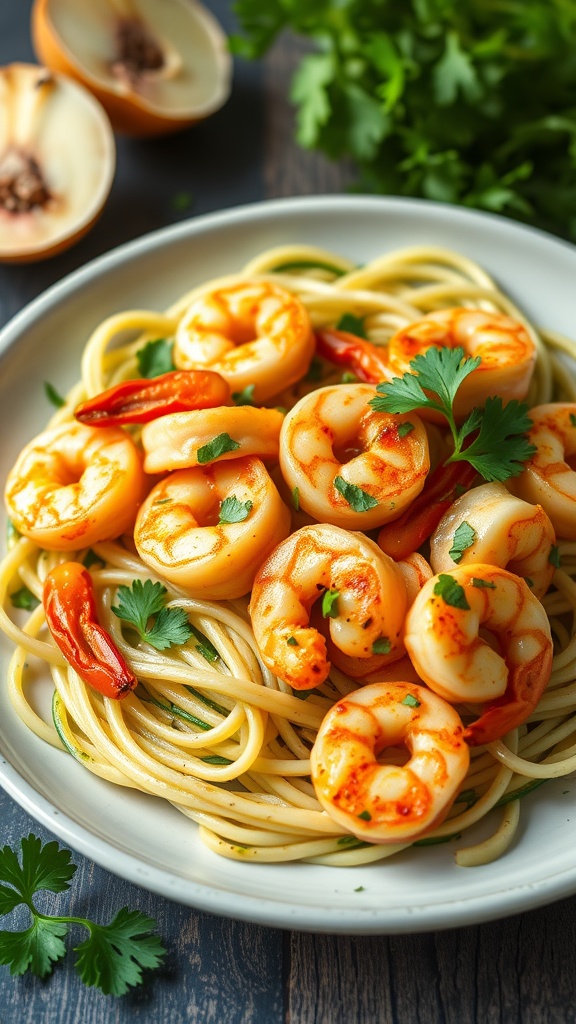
(70, 607)
(143, 399)
(364, 359)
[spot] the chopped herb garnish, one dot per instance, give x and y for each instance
(234, 511)
(554, 556)
(296, 498)
(405, 428)
(358, 499)
(292, 641)
(480, 583)
(529, 581)
(359, 888)
(314, 373)
(216, 759)
(573, 419)
(91, 558)
(365, 815)
(452, 593)
(500, 447)
(143, 607)
(24, 598)
(330, 604)
(352, 324)
(219, 445)
(52, 395)
(244, 397)
(381, 646)
(204, 646)
(411, 701)
(155, 358)
(348, 378)
(468, 797)
(464, 537)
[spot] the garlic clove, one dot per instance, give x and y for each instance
(57, 162)
(155, 67)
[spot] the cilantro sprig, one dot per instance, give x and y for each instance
(111, 958)
(143, 606)
(500, 446)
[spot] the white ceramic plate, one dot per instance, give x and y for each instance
(144, 840)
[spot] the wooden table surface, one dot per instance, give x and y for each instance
(521, 970)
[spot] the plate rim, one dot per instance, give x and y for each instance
(216, 900)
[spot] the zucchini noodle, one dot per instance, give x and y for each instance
(209, 728)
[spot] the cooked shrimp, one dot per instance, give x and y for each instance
(549, 477)
(380, 802)
(415, 571)
(502, 530)
(187, 533)
(184, 439)
(353, 467)
(74, 485)
(505, 346)
(251, 332)
(367, 608)
(509, 673)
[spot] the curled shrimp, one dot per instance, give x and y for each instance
(187, 533)
(509, 672)
(500, 530)
(252, 332)
(75, 485)
(184, 439)
(384, 802)
(366, 608)
(353, 467)
(549, 477)
(504, 345)
(415, 572)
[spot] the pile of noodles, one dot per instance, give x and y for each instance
(224, 740)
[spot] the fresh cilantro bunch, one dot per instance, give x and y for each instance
(453, 100)
(111, 958)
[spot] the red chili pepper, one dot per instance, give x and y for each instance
(71, 615)
(405, 535)
(143, 399)
(365, 360)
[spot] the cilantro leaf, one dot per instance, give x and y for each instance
(451, 591)
(352, 324)
(330, 604)
(464, 537)
(37, 948)
(500, 447)
(411, 701)
(155, 358)
(358, 499)
(482, 584)
(219, 445)
(42, 867)
(143, 606)
(244, 397)
(234, 511)
(381, 646)
(113, 955)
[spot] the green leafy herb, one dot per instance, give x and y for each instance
(111, 958)
(314, 373)
(464, 537)
(53, 396)
(234, 511)
(359, 888)
(411, 701)
(246, 396)
(554, 556)
(292, 641)
(436, 98)
(216, 759)
(486, 584)
(381, 646)
(91, 558)
(330, 603)
(24, 598)
(143, 606)
(405, 428)
(450, 591)
(529, 581)
(352, 324)
(358, 499)
(573, 419)
(155, 358)
(365, 815)
(499, 447)
(219, 445)
(348, 378)
(205, 647)
(296, 498)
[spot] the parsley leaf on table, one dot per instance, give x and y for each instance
(111, 958)
(143, 606)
